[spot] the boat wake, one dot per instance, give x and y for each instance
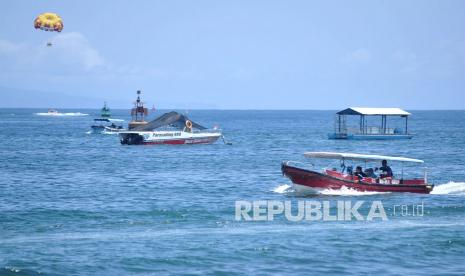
(344, 191)
(451, 188)
(61, 114)
(283, 189)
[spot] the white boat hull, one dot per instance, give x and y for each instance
(168, 137)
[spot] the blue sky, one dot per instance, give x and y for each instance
(236, 54)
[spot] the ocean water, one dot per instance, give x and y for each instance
(74, 203)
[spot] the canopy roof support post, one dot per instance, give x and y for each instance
(361, 124)
(406, 124)
(402, 177)
(339, 123)
(383, 123)
(364, 125)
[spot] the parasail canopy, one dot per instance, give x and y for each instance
(48, 21)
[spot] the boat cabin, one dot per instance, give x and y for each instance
(365, 131)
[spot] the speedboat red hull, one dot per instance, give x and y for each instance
(316, 180)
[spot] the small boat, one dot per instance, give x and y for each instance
(364, 131)
(105, 111)
(52, 112)
(170, 128)
(309, 180)
(107, 126)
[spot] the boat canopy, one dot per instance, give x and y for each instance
(108, 120)
(355, 156)
(173, 119)
(374, 111)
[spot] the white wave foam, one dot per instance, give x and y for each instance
(451, 188)
(109, 132)
(303, 191)
(61, 114)
(344, 191)
(282, 189)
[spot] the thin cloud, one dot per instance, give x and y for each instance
(70, 49)
(74, 48)
(361, 55)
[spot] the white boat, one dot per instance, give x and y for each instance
(107, 126)
(171, 128)
(168, 137)
(53, 112)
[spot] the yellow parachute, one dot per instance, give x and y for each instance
(49, 22)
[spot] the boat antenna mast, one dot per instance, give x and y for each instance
(138, 112)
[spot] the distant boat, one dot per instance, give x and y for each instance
(106, 126)
(366, 132)
(105, 111)
(52, 112)
(153, 108)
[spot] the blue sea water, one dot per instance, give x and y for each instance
(74, 203)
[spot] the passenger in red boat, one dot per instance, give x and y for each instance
(386, 171)
(370, 173)
(359, 172)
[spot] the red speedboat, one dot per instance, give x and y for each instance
(307, 179)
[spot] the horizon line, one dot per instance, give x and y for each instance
(222, 109)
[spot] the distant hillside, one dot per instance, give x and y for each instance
(11, 97)
(23, 98)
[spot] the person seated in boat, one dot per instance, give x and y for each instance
(386, 171)
(370, 173)
(349, 170)
(359, 172)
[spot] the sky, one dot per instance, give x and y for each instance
(235, 54)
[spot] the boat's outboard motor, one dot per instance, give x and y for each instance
(132, 139)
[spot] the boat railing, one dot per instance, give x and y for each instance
(300, 165)
(207, 131)
(372, 130)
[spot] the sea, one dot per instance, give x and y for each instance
(73, 203)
